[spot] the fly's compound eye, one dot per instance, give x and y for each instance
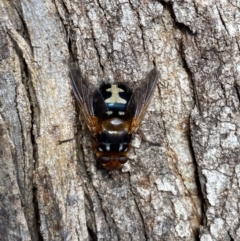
(104, 159)
(122, 159)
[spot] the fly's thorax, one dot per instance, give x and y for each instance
(115, 136)
(114, 125)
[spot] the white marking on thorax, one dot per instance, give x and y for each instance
(115, 98)
(107, 145)
(120, 147)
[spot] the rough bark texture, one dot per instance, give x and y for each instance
(185, 189)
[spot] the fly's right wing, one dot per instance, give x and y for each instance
(89, 98)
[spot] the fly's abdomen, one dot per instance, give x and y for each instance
(116, 99)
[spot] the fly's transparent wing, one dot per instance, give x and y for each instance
(89, 98)
(141, 98)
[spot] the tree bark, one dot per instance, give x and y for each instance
(187, 188)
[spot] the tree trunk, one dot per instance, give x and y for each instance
(187, 188)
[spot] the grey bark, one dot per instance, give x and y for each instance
(185, 189)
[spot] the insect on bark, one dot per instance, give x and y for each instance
(113, 113)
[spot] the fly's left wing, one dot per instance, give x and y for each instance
(89, 98)
(141, 98)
